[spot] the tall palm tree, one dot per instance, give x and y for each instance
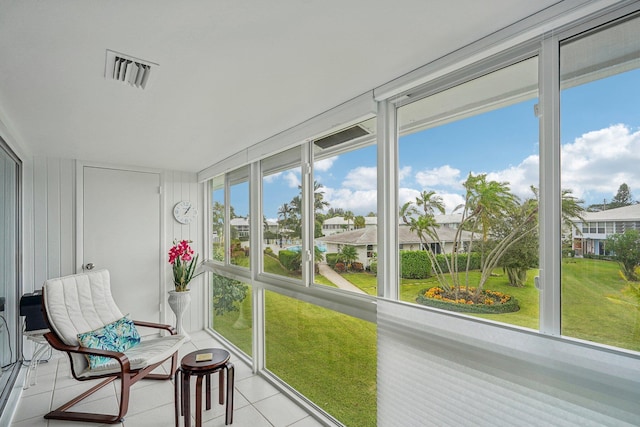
(318, 198)
(348, 216)
(425, 226)
(430, 202)
(284, 212)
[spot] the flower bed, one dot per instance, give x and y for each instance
(467, 302)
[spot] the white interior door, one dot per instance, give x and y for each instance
(121, 232)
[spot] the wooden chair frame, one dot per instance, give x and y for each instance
(127, 376)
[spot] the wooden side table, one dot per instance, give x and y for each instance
(190, 366)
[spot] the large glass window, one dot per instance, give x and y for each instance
(10, 338)
(468, 179)
(239, 217)
(327, 356)
(217, 218)
(600, 154)
(345, 204)
(231, 311)
(282, 210)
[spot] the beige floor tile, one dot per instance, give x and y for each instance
(280, 410)
(255, 389)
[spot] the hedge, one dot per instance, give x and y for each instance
(414, 265)
(331, 259)
(289, 259)
(417, 264)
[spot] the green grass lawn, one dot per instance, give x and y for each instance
(594, 307)
(327, 356)
(331, 358)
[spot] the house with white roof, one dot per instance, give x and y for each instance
(365, 241)
(590, 234)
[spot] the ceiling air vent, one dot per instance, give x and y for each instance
(341, 137)
(127, 69)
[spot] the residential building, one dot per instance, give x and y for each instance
(366, 244)
(338, 224)
(590, 235)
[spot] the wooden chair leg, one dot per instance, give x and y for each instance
(186, 399)
(199, 401)
(230, 386)
(177, 406)
(208, 391)
(221, 386)
(61, 412)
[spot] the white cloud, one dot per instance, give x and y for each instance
(444, 176)
(361, 178)
(520, 178)
(271, 178)
(403, 173)
(292, 179)
(593, 165)
(596, 163)
(450, 200)
(360, 202)
(324, 164)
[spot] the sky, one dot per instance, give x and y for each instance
(600, 136)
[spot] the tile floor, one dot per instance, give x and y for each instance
(256, 403)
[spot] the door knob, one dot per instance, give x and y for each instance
(89, 266)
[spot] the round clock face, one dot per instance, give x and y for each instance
(184, 212)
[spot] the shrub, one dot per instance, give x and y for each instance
(289, 259)
(331, 258)
(462, 261)
(373, 267)
(238, 254)
(340, 267)
(415, 264)
(357, 266)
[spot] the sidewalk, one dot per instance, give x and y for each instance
(337, 279)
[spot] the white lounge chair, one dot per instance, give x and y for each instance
(81, 303)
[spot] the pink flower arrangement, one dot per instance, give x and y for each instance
(184, 264)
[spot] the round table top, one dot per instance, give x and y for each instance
(220, 357)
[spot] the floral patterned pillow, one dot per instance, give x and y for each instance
(117, 336)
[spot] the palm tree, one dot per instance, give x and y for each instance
(348, 255)
(283, 212)
(318, 197)
(430, 202)
(425, 226)
(348, 216)
(359, 222)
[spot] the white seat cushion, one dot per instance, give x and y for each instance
(146, 353)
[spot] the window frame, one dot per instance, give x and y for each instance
(546, 46)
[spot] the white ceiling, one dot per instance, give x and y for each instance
(231, 73)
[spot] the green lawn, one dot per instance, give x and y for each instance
(593, 305)
(331, 358)
(327, 356)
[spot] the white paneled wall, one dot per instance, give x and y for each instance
(53, 219)
(180, 186)
(51, 213)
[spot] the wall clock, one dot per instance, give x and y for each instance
(184, 212)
